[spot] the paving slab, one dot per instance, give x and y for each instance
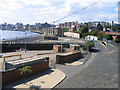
(74, 63)
(46, 81)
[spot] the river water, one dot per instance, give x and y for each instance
(9, 34)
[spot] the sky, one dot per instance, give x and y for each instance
(40, 11)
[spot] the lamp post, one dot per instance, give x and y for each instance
(62, 41)
(25, 41)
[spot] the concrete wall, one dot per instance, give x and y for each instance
(66, 58)
(14, 47)
(12, 75)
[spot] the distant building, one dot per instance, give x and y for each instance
(52, 31)
(38, 24)
(45, 25)
(95, 23)
(27, 27)
(72, 26)
(91, 38)
(99, 27)
(19, 26)
(72, 35)
(4, 26)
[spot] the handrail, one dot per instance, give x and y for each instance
(13, 56)
(3, 64)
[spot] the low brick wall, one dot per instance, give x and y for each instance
(12, 75)
(67, 58)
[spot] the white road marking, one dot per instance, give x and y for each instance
(111, 45)
(111, 51)
(86, 65)
(89, 61)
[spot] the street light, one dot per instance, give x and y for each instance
(25, 41)
(62, 41)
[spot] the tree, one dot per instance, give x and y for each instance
(95, 32)
(100, 34)
(66, 30)
(106, 36)
(84, 29)
(88, 45)
(76, 31)
(99, 27)
(108, 26)
(116, 28)
(25, 71)
(117, 40)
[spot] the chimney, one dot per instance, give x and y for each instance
(112, 25)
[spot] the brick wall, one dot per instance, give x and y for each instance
(57, 48)
(12, 75)
(66, 58)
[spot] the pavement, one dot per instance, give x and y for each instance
(99, 71)
(80, 61)
(48, 79)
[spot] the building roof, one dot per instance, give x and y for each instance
(26, 60)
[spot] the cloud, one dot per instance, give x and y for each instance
(31, 11)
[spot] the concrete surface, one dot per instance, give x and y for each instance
(41, 53)
(46, 81)
(99, 71)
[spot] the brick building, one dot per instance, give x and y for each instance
(72, 26)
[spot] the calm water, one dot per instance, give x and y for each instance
(9, 35)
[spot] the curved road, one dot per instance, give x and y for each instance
(100, 71)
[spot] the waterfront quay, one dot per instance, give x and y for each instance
(104, 71)
(38, 43)
(41, 55)
(41, 39)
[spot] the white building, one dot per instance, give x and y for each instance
(72, 35)
(91, 38)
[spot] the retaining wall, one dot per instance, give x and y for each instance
(67, 58)
(14, 47)
(12, 75)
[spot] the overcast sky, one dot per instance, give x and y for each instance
(34, 11)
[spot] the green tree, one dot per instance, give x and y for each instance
(88, 45)
(25, 71)
(84, 29)
(100, 34)
(108, 26)
(117, 40)
(116, 28)
(106, 36)
(76, 31)
(95, 32)
(66, 29)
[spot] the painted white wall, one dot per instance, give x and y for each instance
(72, 35)
(91, 38)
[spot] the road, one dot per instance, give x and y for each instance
(100, 71)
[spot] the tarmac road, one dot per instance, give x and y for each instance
(100, 71)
